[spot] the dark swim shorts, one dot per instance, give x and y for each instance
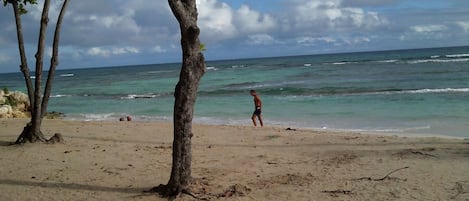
(257, 111)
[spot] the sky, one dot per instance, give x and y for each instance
(130, 32)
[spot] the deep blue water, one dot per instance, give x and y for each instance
(423, 91)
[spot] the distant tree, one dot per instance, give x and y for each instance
(192, 70)
(32, 131)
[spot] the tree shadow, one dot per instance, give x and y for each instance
(119, 140)
(6, 143)
(73, 186)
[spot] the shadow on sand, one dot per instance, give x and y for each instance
(6, 143)
(73, 186)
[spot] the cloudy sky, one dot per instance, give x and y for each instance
(125, 32)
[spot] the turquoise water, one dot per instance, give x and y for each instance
(422, 91)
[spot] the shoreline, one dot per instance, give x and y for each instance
(345, 131)
(424, 131)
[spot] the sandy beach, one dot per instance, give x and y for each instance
(119, 160)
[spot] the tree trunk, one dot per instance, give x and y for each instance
(36, 119)
(54, 60)
(24, 63)
(192, 70)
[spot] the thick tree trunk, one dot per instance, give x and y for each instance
(192, 70)
(24, 62)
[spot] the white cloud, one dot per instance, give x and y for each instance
(329, 15)
(250, 21)
(315, 41)
(219, 21)
(106, 52)
(215, 20)
(428, 28)
(464, 25)
(261, 39)
(98, 51)
(310, 41)
(426, 32)
(124, 50)
(158, 49)
(357, 40)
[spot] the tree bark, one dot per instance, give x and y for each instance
(54, 60)
(192, 70)
(24, 62)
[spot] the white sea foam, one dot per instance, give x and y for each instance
(438, 60)
(136, 96)
(445, 90)
(424, 91)
(457, 55)
(238, 66)
(67, 75)
(60, 96)
(212, 68)
(388, 61)
(306, 65)
(155, 72)
(278, 84)
(340, 63)
(94, 117)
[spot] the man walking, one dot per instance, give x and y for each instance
(257, 108)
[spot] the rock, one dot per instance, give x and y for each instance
(6, 111)
(14, 105)
(20, 97)
(20, 114)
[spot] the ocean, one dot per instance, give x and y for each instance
(412, 92)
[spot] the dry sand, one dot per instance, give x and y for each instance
(119, 160)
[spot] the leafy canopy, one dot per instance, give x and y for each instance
(21, 4)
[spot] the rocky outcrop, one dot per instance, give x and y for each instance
(14, 104)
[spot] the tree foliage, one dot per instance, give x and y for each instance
(20, 3)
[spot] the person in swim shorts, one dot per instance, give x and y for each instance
(257, 109)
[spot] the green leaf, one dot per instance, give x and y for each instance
(202, 47)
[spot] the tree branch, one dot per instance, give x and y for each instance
(382, 178)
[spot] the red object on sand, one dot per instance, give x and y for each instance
(129, 118)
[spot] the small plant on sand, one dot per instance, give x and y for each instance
(5, 90)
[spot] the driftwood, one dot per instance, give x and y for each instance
(382, 178)
(288, 163)
(340, 191)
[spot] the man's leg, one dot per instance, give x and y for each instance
(260, 120)
(254, 119)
